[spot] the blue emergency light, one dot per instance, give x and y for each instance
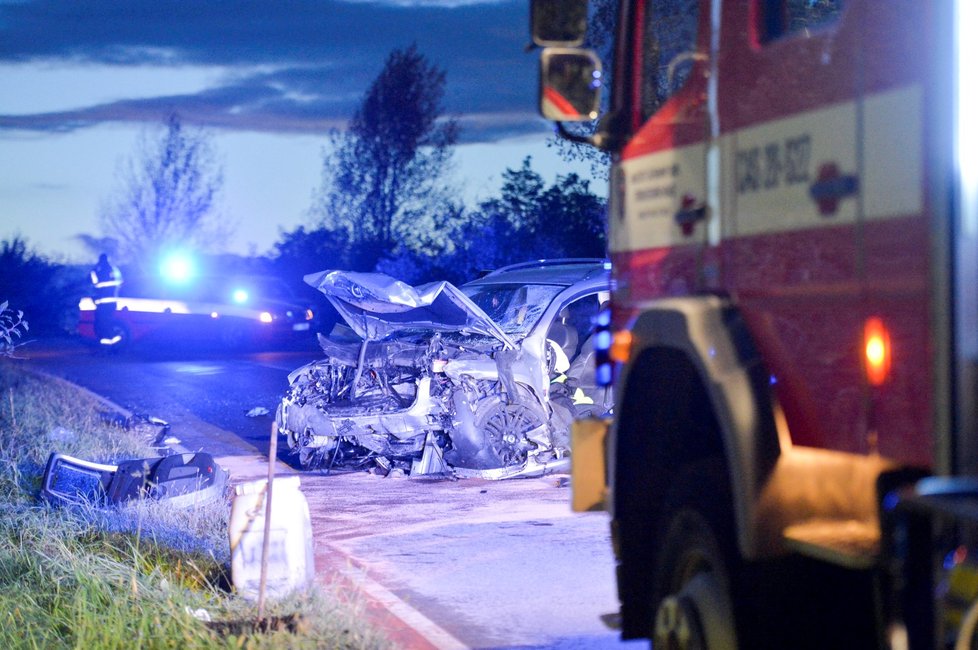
(177, 268)
(603, 370)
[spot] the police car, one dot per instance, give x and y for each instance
(228, 311)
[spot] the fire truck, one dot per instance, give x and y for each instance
(793, 213)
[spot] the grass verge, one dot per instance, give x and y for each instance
(146, 575)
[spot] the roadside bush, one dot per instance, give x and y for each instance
(47, 292)
(12, 327)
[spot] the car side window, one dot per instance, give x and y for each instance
(572, 325)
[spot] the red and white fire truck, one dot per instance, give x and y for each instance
(793, 221)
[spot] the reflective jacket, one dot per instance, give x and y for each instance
(106, 280)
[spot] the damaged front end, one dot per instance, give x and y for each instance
(422, 381)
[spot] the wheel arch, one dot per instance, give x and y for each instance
(697, 351)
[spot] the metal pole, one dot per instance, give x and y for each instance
(272, 453)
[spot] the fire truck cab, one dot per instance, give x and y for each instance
(792, 228)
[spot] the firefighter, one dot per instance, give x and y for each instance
(106, 280)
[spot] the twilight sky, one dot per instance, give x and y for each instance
(80, 81)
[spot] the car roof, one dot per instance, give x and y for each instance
(565, 272)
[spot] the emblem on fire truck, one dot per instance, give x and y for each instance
(830, 187)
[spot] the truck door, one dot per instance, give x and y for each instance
(822, 182)
(659, 182)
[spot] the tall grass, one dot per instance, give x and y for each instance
(142, 576)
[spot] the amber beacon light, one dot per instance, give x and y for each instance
(876, 341)
(621, 346)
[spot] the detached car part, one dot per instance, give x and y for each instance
(153, 429)
(180, 479)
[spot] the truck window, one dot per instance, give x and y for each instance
(789, 17)
(670, 42)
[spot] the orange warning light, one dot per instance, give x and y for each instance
(621, 346)
(876, 339)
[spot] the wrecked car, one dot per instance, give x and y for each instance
(479, 380)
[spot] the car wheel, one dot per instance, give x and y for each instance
(692, 604)
(507, 427)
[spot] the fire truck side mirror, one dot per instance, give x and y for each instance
(570, 84)
(558, 22)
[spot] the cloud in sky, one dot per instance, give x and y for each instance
(257, 65)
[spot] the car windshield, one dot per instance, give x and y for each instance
(516, 308)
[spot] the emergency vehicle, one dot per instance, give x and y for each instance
(793, 335)
(228, 312)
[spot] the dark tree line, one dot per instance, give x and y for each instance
(45, 291)
(385, 204)
(384, 177)
(528, 220)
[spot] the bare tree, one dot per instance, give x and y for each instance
(383, 179)
(167, 196)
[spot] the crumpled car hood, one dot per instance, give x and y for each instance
(375, 305)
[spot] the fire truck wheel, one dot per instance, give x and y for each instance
(692, 589)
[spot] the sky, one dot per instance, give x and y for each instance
(82, 80)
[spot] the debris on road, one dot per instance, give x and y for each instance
(153, 429)
(258, 411)
(179, 479)
(200, 614)
(61, 435)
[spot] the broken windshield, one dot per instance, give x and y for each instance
(516, 308)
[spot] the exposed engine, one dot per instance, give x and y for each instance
(422, 404)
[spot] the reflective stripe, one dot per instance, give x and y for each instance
(152, 306)
(799, 172)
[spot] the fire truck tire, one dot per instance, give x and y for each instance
(692, 603)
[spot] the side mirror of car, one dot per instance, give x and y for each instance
(570, 84)
(558, 22)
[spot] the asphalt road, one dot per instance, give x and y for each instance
(443, 564)
(203, 395)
